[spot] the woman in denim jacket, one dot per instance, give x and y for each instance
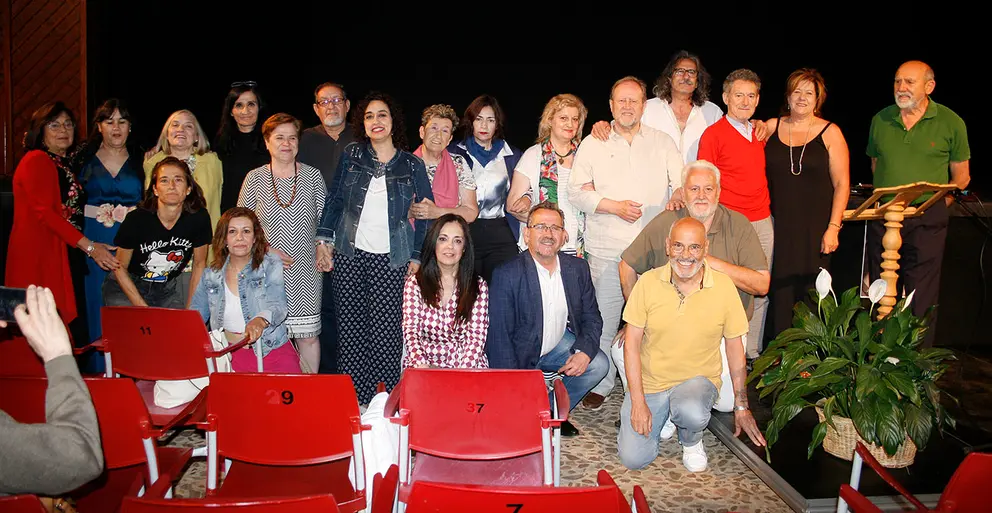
(243, 292)
(368, 239)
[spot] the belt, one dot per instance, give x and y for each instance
(108, 214)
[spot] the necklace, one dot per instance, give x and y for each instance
(296, 177)
(561, 158)
(792, 164)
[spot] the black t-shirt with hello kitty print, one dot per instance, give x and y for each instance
(160, 255)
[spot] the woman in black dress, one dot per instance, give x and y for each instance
(239, 141)
(806, 160)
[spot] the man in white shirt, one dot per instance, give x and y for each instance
(621, 184)
(681, 106)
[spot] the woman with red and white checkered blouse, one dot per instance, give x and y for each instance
(445, 305)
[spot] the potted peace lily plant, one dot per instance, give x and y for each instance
(868, 380)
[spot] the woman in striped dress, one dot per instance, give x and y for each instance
(288, 198)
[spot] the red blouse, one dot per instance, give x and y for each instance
(432, 337)
(38, 253)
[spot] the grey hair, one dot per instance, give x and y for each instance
(705, 164)
(741, 74)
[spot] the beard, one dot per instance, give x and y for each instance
(702, 215)
(906, 101)
(695, 263)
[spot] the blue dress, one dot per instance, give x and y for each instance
(103, 188)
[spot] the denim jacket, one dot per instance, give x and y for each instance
(406, 182)
(263, 294)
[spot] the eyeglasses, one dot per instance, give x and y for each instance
(678, 248)
(249, 83)
(553, 228)
(326, 102)
(684, 71)
(55, 125)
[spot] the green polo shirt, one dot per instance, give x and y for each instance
(731, 236)
(920, 154)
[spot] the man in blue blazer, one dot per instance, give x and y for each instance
(543, 312)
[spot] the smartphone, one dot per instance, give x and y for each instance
(9, 299)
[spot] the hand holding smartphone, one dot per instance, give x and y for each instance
(9, 299)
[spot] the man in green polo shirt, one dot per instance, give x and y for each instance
(917, 140)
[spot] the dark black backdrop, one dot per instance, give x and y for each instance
(163, 56)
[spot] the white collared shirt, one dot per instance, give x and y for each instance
(642, 171)
(553, 304)
(744, 129)
(492, 183)
(658, 114)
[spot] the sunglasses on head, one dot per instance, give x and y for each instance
(249, 83)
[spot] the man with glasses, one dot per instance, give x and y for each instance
(733, 250)
(321, 147)
(543, 312)
(621, 184)
(684, 308)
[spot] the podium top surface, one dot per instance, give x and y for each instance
(904, 195)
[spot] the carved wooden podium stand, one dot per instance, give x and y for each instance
(894, 211)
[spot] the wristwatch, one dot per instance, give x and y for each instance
(89, 249)
(740, 408)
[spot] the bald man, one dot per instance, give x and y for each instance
(684, 308)
(917, 140)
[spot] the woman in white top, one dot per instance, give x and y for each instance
(548, 163)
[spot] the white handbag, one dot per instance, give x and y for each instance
(172, 393)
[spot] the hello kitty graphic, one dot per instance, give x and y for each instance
(160, 264)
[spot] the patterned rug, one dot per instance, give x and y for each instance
(727, 485)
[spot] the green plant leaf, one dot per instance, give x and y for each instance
(785, 412)
(891, 331)
(889, 427)
(771, 389)
(902, 384)
(919, 424)
(828, 410)
(819, 432)
(863, 415)
(766, 360)
(830, 365)
(867, 381)
(936, 354)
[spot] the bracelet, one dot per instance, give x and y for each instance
(740, 408)
(834, 224)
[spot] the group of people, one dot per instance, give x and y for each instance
(644, 249)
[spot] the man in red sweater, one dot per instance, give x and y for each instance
(732, 145)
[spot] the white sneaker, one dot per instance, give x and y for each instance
(668, 430)
(694, 457)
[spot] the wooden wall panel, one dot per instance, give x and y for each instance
(43, 59)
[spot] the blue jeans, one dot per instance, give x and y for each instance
(688, 403)
(577, 386)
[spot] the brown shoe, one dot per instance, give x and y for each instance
(593, 401)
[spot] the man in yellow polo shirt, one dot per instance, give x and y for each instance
(685, 308)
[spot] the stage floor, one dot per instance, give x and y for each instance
(812, 485)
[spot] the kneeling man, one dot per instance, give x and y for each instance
(685, 308)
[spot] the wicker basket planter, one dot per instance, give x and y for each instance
(841, 443)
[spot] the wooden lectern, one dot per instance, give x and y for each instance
(894, 211)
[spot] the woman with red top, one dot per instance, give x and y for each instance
(445, 304)
(48, 211)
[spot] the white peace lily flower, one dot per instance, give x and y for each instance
(877, 291)
(909, 299)
(823, 283)
(892, 359)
